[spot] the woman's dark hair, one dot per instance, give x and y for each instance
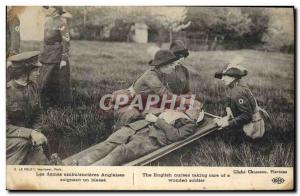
(18, 72)
(59, 9)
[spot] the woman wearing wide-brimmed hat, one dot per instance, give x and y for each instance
(243, 112)
(154, 81)
(55, 73)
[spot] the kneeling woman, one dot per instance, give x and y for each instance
(241, 106)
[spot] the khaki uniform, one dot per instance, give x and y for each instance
(179, 81)
(242, 104)
(137, 139)
(22, 104)
(151, 82)
(12, 39)
(154, 82)
(55, 82)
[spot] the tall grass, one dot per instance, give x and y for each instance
(98, 68)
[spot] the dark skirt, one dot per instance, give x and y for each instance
(55, 85)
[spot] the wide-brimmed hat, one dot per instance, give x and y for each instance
(179, 49)
(163, 57)
(236, 71)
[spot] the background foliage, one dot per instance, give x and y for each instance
(211, 28)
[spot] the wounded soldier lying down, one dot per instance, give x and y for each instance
(143, 136)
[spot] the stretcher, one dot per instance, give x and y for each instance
(207, 126)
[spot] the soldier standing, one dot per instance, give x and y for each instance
(55, 72)
(12, 35)
(23, 145)
(12, 32)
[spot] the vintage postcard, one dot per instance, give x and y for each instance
(150, 98)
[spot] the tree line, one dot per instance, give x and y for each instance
(228, 27)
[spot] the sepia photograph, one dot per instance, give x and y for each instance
(150, 89)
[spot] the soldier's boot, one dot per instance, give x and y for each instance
(55, 160)
(17, 150)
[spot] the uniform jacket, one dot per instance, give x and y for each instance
(56, 40)
(167, 134)
(152, 81)
(242, 104)
(163, 132)
(22, 103)
(178, 81)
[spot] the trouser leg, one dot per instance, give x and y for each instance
(17, 150)
(136, 148)
(98, 153)
(100, 150)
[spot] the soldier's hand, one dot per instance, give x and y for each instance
(62, 64)
(37, 138)
(229, 113)
(150, 118)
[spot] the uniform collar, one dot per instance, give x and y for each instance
(229, 89)
(18, 83)
(234, 83)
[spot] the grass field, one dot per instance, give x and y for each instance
(98, 68)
